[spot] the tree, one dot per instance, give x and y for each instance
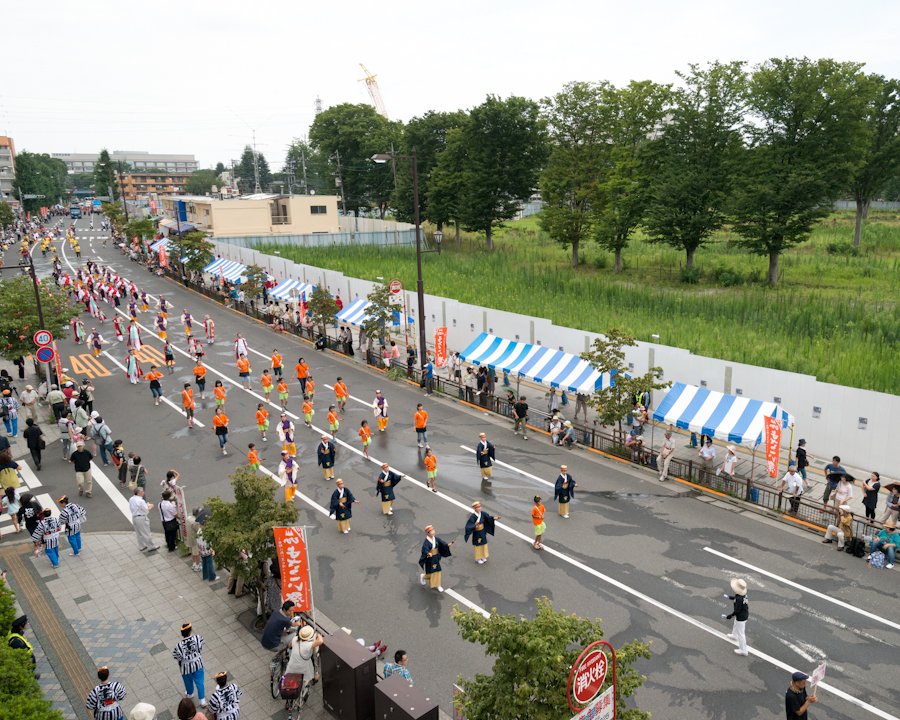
(81, 181)
(7, 216)
(446, 191)
(355, 133)
(114, 211)
(220, 168)
(699, 151)
(195, 246)
(105, 175)
(253, 280)
(322, 308)
(622, 196)
(579, 123)
(7, 608)
(380, 314)
(19, 320)
(881, 153)
(805, 137)
(143, 229)
(39, 175)
(200, 182)
(241, 531)
(428, 135)
(318, 173)
(246, 171)
(506, 144)
(614, 401)
(533, 662)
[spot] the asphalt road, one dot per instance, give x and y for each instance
(650, 559)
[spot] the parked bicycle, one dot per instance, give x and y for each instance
(292, 687)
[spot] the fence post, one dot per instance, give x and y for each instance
(749, 487)
(690, 471)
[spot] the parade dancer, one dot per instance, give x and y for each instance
(210, 328)
(161, 326)
(308, 413)
(155, 388)
(283, 393)
(169, 357)
(341, 394)
(187, 402)
(225, 701)
(163, 306)
(220, 422)
(118, 326)
(277, 363)
(287, 471)
(433, 549)
(333, 422)
(95, 309)
(285, 430)
(267, 383)
(188, 655)
(104, 699)
(341, 506)
(200, 378)
(186, 321)
(219, 393)
(47, 534)
(253, 461)
(240, 347)
(325, 456)
(96, 342)
(132, 310)
(537, 517)
(381, 410)
(485, 456)
(134, 337)
(479, 526)
(243, 366)
(310, 389)
(430, 468)
(385, 484)
(145, 302)
(262, 420)
(365, 434)
(564, 490)
(421, 423)
(78, 330)
(132, 369)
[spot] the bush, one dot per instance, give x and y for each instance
(396, 373)
(728, 277)
(842, 248)
(602, 261)
(690, 275)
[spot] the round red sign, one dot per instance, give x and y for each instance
(589, 677)
(42, 337)
(396, 287)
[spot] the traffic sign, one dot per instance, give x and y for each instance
(45, 354)
(396, 287)
(589, 677)
(43, 337)
(33, 197)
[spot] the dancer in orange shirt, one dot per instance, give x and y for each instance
(431, 468)
(333, 423)
(262, 420)
(308, 412)
(220, 423)
(187, 402)
(366, 436)
(154, 377)
(341, 394)
(277, 363)
(253, 458)
(282, 392)
(267, 383)
(243, 366)
(421, 418)
(301, 370)
(220, 394)
(200, 377)
(537, 517)
(310, 389)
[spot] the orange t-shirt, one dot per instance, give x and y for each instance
(276, 360)
(421, 419)
(266, 380)
(243, 365)
(302, 370)
(220, 420)
(340, 390)
(431, 462)
(153, 376)
(307, 408)
(365, 433)
(310, 387)
(252, 457)
(537, 515)
(187, 398)
(200, 372)
(332, 417)
(282, 386)
(261, 416)
(220, 393)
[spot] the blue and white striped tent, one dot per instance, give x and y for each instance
(355, 314)
(540, 364)
(229, 269)
(726, 417)
(159, 243)
(283, 290)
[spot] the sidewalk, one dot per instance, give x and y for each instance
(121, 608)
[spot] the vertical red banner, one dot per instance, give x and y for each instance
(163, 260)
(292, 559)
(440, 347)
(773, 445)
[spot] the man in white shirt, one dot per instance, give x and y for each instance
(665, 456)
(168, 510)
(139, 509)
(794, 481)
(28, 400)
(708, 454)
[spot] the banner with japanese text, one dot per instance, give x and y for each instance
(773, 444)
(290, 545)
(163, 260)
(440, 347)
(181, 507)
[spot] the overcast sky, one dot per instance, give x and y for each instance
(198, 77)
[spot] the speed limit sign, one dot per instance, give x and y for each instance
(42, 337)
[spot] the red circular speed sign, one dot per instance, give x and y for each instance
(589, 677)
(396, 287)
(42, 337)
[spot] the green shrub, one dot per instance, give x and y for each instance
(842, 248)
(601, 262)
(690, 275)
(396, 373)
(729, 278)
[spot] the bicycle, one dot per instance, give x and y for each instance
(277, 668)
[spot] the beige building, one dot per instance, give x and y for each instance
(261, 214)
(7, 170)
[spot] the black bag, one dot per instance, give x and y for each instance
(856, 547)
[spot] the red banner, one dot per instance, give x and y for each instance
(293, 561)
(163, 260)
(440, 347)
(773, 445)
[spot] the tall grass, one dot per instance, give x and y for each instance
(832, 316)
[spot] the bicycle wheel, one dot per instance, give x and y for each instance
(276, 671)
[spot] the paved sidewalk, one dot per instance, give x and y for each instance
(118, 607)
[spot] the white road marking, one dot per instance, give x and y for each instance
(612, 581)
(467, 603)
(48, 502)
(511, 467)
(805, 589)
(31, 480)
(312, 503)
(115, 495)
(352, 397)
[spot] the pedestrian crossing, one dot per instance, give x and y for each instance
(29, 482)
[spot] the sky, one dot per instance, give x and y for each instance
(199, 77)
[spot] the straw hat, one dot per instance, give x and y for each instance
(739, 586)
(307, 632)
(730, 448)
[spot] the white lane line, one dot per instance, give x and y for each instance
(48, 502)
(312, 503)
(104, 482)
(615, 583)
(352, 397)
(511, 467)
(457, 596)
(31, 480)
(805, 589)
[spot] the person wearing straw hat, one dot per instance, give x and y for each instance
(740, 614)
(843, 529)
(564, 490)
(887, 542)
(433, 549)
(729, 463)
(666, 453)
(225, 701)
(302, 648)
(385, 487)
(479, 525)
(146, 711)
(342, 506)
(104, 699)
(190, 661)
(325, 454)
(485, 455)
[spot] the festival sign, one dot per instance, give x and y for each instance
(440, 347)
(773, 444)
(293, 560)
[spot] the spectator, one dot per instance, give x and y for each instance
(81, 458)
(57, 401)
(832, 477)
(843, 529)
(34, 438)
(555, 428)
(892, 505)
(9, 411)
(11, 502)
(844, 493)
(803, 458)
(103, 438)
(581, 404)
(552, 401)
(794, 481)
(302, 648)
(708, 454)
(870, 494)
(86, 395)
(666, 451)
(29, 400)
(138, 473)
(471, 384)
(273, 588)
(568, 435)
(887, 542)
(277, 625)
(729, 463)
(168, 512)
(429, 377)
(398, 667)
(520, 413)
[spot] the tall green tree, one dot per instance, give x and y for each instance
(7, 216)
(428, 135)
(446, 189)
(579, 123)
(532, 662)
(80, 181)
(380, 314)
(114, 211)
(623, 194)
(321, 308)
(355, 133)
(220, 168)
(806, 135)
(881, 151)
(19, 320)
(699, 154)
(253, 280)
(143, 229)
(246, 171)
(317, 175)
(195, 246)
(506, 145)
(39, 175)
(105, 175)
(200, 182)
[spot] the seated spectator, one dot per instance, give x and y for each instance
(643, 456)
(843, 529)
(631, 445)
(887, 542)
(568, 435)
(555, 428)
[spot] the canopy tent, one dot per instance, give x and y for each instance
(159, 243)
(726, 417)
(535, 362)
(180, 228)
(355, 314)
(166, 222)
(229, 269)
(284, 288)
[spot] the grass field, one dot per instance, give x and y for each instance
(833, 314)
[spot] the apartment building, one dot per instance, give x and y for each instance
(7, 168)
(135, 184)
(135, 159)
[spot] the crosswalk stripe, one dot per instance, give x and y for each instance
(31, 480)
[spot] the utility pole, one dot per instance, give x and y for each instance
(394, 166)
(341, 182)
(291, 177)
(305, 181)
(257, 188)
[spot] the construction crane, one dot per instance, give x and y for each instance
(369, 79)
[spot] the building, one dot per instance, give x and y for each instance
(7, 169)
(261, 214)
(135, 185)
(135, 159)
